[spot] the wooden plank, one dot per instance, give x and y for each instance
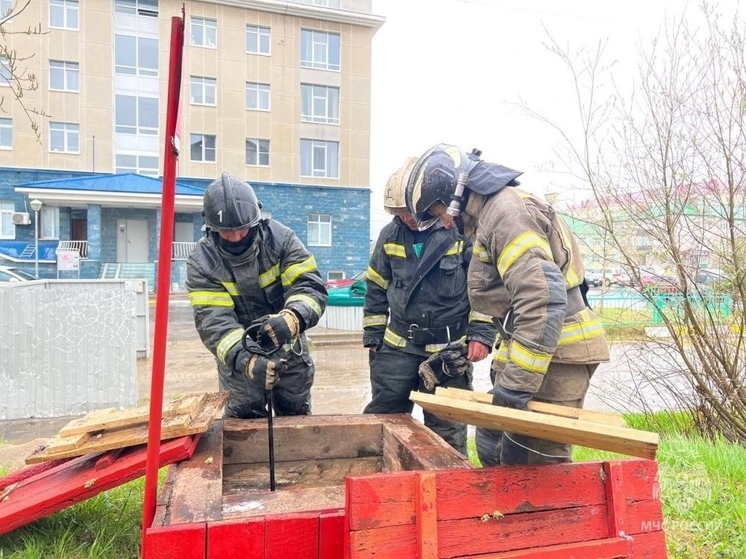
(612, 548)
(77, 480)
(236, 539)
(292, 536)
(331, 535)
(252, 505)
(538, 407)
(649, 546)
(26, 472)
(615, 499)
(60, 444)
(380, 501)
(426, 515)
(138, 434)
(296, 474)
(189, 541)
(570, 431)
(302, 438)
(197, 492)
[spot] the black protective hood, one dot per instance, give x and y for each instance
(487, 178)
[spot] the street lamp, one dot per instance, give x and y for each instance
(36, 206)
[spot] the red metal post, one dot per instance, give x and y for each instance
(163, 282)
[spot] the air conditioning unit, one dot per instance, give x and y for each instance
(20, 218)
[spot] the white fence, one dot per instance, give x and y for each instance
(342, 318)
(70, 346)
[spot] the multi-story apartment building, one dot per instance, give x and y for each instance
(275, 92)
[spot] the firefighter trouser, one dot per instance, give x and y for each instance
(563, 384)
(393, 375)
(291, 393)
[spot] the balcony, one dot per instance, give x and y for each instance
(181, 250)
(80, 246)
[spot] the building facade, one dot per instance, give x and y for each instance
(277, 93)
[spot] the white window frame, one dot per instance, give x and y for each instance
(205, 150)
(309, 159)
(7, 208)
(260, 92)
(138, 166)
(202, 85)
(263, 35)
(317, 52)
(205, 25)
(262, 152)
(69, 130)
(138, 127)
(68, 70)
(322, 106)
(6, 72)
(317, 224)
(138, 69)
(49, 222)
(136, 7)
(6, 130)
(68, 9)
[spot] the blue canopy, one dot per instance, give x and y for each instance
(124, 183)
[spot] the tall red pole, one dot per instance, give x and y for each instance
(163, 282)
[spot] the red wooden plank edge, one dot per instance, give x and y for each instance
(426, 515)
(29, 471)
(613, 548)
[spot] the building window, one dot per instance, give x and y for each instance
(63, 76)
(135, 56)
(204, 32)
(63, 14)
(257, 152)
(319, 159)
(203, 91)
(64, 137)
(319, 104)
(257, 96)
(319, 230)
(7, 229)
(257, 39)
(136, 115)
(202, 147)
(319, 50)
(6, 72)
(6, 9)
(148, 8)
(6, 133)
(49, 223)
(140, 164)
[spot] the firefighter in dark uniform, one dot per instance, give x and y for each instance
(252, 271)
(417, 321)
(527, 270)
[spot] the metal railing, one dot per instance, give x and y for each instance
(181, 250)
(80, 246)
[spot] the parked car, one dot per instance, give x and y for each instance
(596, 277)
(344, 282)
(348, 296)
(10, 274)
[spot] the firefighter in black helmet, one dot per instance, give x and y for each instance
(248, 270)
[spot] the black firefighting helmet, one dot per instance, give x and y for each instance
(229, 204)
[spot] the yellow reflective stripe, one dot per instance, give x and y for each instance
(532, 361)
(376, 278)
(501, 355)
(308, 300)
(457, 248)
(270, 276)
(394, 339)
(481, 252)
(227, 342)
(432, 348)
(476, 316)
(518, 247)
(210, 299)
(393, 249)
(294, 271)
(231, 288)
(375, 320)
(588, 327)
(571, 276)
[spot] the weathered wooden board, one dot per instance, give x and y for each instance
(538, 407)
(138, 434)
(262, 503)
(561, 429)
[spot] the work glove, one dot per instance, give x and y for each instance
(508, 398)
(264, 371)
(440, 366)
(276, 330)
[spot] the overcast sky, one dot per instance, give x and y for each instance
(452, 71)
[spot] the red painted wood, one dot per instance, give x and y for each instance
(29, 471)
(331, 535)
(376, 501)
(644, 516)
(293, 536)
(236, 539)
(649, 546)
(640, 480)
(426, 516)
(616, 504)
(183, 541)
(614, 548)
(390, 541)
(77, 480)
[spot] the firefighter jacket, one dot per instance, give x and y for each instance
(420, 305)
(228, 292)
(526, 270)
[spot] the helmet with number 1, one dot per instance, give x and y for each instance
(393, 193)
(230, 203)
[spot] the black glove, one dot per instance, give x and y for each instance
(276, 330)
(440, 366)
(264, 371)
(508, 398)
